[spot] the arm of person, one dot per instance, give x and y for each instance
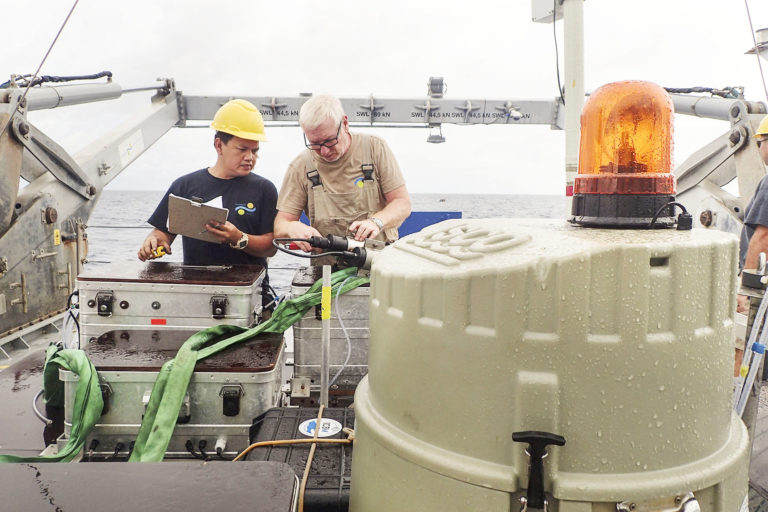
(288, 225)
(258, 245)
(156, 238)
(757, 244)
(392, 215)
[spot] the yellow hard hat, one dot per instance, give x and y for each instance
(241, 119)
(762, 130)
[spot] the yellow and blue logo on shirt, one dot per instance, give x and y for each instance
(242, 208)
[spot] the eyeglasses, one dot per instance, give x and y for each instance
(327, 143)
(760, 141)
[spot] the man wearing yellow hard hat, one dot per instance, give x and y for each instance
(345, 182)
(754, 234)
(246, 235)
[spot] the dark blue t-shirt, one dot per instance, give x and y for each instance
(755, 214)
(252, 204)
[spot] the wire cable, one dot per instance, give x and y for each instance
(40, 415)
(669, 205)
(557, 53)
(276, 243)
(280, 442)
(38, 80)
(344, 330)
(757, 52)
(5, 127)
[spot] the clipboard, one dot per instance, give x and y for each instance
(188, 218)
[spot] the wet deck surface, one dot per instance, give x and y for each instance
(21, 432)
(144, 350)
(182, 486)
(758, 468)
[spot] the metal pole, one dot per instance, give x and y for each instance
(326, 339)
(573, 58)
(52, 96)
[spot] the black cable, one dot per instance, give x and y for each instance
(670, 204)
(191, 449)
(130, 449)
(220, 454)
(726, 92)
(50, 78)
(201, 446)
(94, 444)
(557, 54)
(118, 448)
(279, 247)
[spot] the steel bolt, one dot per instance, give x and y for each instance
(706, 218)
(24, 129)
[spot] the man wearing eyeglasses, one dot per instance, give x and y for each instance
(346, 183)
(754, 234)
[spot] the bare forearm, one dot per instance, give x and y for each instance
(260, 245)
(757, 244)
(284, 227)
(395, 212)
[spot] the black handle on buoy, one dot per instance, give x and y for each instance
(537, 444)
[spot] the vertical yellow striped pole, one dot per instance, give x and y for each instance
(325, 316)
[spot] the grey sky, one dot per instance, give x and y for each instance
(484, 49)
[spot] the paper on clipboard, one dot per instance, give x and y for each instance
(188, 218)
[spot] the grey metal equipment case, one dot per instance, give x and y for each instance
(226, 391)
(307, 334)
(167, 296)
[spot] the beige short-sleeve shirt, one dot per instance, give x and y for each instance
(340, 176)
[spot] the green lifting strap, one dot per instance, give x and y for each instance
(88, 402)
(172, 382)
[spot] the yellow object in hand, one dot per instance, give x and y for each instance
(159, 252)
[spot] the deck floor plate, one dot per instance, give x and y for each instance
(21, 432)
(128, 487)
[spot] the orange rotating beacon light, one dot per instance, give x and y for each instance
(625, 158)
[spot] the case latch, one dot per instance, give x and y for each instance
(230, 396)
(104, 300)
(219, 306)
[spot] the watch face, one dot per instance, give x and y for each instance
(240, 244)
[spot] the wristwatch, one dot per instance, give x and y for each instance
(378, 222)
(240, 244)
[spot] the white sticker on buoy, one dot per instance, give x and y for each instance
(328, 427)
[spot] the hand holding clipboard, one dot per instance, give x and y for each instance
(188, 218)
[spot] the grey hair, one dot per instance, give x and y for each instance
(318, 109)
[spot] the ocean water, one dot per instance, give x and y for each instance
(118, 224)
